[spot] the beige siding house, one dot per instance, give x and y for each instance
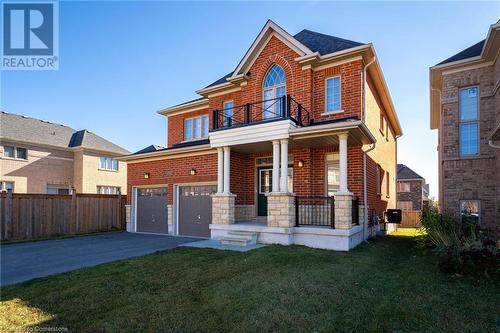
(38, 156)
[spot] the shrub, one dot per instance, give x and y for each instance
(462, 246)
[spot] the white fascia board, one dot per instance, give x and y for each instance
(273, 130)
(182, 107)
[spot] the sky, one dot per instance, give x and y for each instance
(120, 62)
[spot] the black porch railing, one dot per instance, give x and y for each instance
(355, 211)
(315, 211)
(284, 107)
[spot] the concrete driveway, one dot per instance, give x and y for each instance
(25, 261)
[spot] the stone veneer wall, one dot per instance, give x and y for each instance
(281, 210)
(223, 208)
(343, 211)
(128, 218)
(170, 219)
(244, 212)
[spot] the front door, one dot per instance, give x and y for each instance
(265, 183)
(152, 210)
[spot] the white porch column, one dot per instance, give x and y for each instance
(284, 166)
(227, 167)
(220, 170)
(276, 166)
(343, 163)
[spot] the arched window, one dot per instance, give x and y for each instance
(274, 87)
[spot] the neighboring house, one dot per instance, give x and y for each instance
(38, 156)
(413, 192)
(465, 109)
(301, 119)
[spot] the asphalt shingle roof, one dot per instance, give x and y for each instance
(406, 173)
(36, 131)
(324, 44)
(149, 149)
(472, 51)
(316, 42)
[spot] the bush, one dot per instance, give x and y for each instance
(462, 246)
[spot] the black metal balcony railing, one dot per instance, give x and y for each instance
(284, 107)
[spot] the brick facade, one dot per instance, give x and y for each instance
(307, 87)
(414, 195)
(470, 178)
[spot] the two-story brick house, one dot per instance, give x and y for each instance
(465, 109)
(412, 191)
(296, 145)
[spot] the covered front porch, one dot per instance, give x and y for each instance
(293, 189)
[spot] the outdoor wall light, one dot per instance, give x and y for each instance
(301, 163)
(146, 175)
(192, 172)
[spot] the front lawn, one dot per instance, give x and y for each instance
(386, 285)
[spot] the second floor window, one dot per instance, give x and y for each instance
(228, 113)
(108, 163)
(274, 87)
(15, 152)
(403, 187)
(333, 94)
(469, 121)
(196, 128)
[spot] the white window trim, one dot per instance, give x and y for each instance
(224, 111)
(192, 128)
(340, 110)
(118, 189)
(2, 185)
(478, 209)
(109, 169)
(15, 153)
(475, 121)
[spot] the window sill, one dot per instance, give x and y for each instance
(15, 159)
(109, 170)
(194, 140)
(327, 113)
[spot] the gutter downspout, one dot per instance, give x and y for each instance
(363, 113)
(440, 155)
(490, 142)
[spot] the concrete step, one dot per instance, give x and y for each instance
(242, 238)
(234, 241)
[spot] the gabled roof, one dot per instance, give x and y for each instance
(35, 131)
(483, 53)
(406, 173)
(310, 40)
(472, 51)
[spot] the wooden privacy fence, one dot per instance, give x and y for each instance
(32, 216)
(410, 219)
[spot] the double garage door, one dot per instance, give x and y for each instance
(194, 210)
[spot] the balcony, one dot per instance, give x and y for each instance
(270, 110)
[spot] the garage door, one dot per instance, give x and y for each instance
(195, 210)
(152, 210)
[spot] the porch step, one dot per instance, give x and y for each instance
(241, 238)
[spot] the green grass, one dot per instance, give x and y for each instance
(387, 285)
